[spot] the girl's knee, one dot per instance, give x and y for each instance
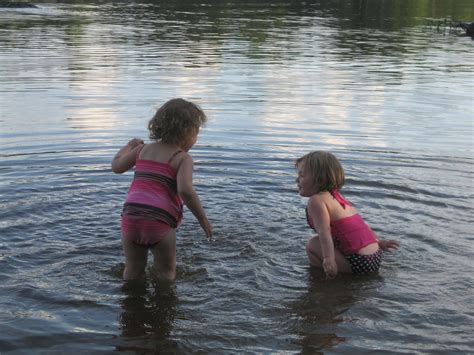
(164, 275)
(169, 276)
(312, 252)
(312, 245)
(133, 273)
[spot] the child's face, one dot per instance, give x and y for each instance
(304, 182)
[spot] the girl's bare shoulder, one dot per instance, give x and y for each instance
(182, 159)
(318, 200)
(321, 197)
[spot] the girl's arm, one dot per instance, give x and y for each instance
(320, 215)
(190, 198)
(126, 156)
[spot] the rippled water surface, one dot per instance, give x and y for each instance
(379, 83)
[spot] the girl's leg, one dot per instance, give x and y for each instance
(135, 260)
(315, 255)
(314, 258)
(164, 266)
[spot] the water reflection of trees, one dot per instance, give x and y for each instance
(255, 22)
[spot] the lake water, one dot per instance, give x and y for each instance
(376, 82)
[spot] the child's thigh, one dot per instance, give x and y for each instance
(343, 264)
(165, 251)
(134, 254)
(314, 246)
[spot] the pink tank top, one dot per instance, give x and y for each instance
(350, 234)
(153, 193)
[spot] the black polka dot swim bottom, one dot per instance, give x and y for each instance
(365, 264)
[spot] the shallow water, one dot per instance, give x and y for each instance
(376, 82)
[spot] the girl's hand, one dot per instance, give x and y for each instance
(126, 156)
(207, 227)
(330, 267)
(389, 245)
(135, 142)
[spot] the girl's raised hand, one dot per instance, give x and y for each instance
(125, 157)
(389, 244)
(135, 142)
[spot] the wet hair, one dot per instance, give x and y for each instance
(176, 122)
(325, 168)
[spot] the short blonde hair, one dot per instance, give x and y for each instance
(176, 122)
(325, 168)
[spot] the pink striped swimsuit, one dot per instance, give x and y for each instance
(152, 206)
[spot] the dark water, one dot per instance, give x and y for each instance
(376, 82)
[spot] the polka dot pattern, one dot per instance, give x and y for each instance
(365, 264)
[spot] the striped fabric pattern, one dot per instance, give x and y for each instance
(150, 213)
(153, 194)
(167, 181)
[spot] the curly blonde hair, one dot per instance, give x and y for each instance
(176, 122)
(325, 168)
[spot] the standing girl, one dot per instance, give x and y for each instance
(345, 242)
(163, 181)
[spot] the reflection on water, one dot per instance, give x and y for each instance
(148, 313)
(370, 80)
(318, 311)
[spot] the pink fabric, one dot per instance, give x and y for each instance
(352, 234)
(339, 198)
(143, 231)
(152, 194)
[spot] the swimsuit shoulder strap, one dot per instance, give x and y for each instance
(339, 198)
(174, 155)
(138, 151)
